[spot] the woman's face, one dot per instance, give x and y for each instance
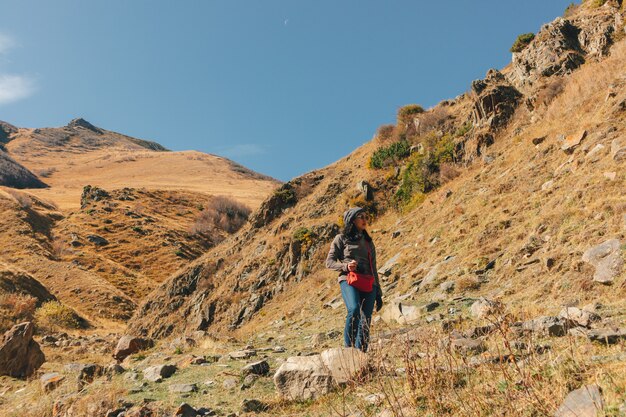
(360, 221)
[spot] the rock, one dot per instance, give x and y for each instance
(20, 355)
(334, 303)
(479, 331)
(249, 381)
(242, 354)
(578, 316)
(595, 153)
(344, 363)
(547, 185)
(606, 336)
(495, 101)
(182, 388)
(114, 369)
(128, 345)
(483, 307)
(375, 399)
(389, 265)
(185, 410)
(158, 372)
(555, 50)
(538, 140)
(97, 240)
(51, 381)
(80, 122)
(253, 406)
(318, 339)
(447, 287)
(230, 383)
(618, 150)
(466, 346)
(307, 377)
(257, 368)
(182, 342)
(607, 259)
(88, 373)
(364, 188)
(552, 326)
(572, 141)
(583, 402)
(610, 175)
(399, 312)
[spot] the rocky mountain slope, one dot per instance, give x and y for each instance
(500, 226)
(101, 250)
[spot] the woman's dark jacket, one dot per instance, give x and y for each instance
(343, 250)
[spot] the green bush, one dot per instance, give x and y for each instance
(522, 42)
(421, 174)
(463, 130)
(305, 236)
(53, 314)
(405, 113)
(386, 155)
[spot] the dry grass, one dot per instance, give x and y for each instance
(15, 308)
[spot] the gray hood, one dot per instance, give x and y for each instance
(349, 215)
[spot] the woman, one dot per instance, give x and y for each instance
(353, 251)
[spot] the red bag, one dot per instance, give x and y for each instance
(363, 282)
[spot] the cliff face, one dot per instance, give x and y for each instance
(514, 161)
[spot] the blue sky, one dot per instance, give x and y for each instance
(281, 86)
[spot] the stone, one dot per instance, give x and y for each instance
(610, 175)
(538, 140)
(389, 265)
(158, 372)
(334, 303)
(606, 336)
(51, 381)
(307, 377)
(399, 312)
(253, 406)
(483, 307)
(581, 317)
(607, 259)
(480, 331)
(87, 373)
(182, 388)
(618, 150)
(127, 345)
(447, 287)
(97, 240)
(114, 369)
(318, 339)
(185, 410)
(20, 355)
(230, 383)
(242, 354)
(572, 141)
(257, 368)
(249, 381)
(584, 402)
(596, 153)
(375, 399)
(549, 325)
(547, 185)
(344, 363)
(466, 346)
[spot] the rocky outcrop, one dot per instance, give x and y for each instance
(607, 259)
(92, 194)
(273, 207)
(14, 175)
(564, 45)
(495, 102)
(6, 131)
(82, 123)
(308, 377)
(127, 345)
(19, 282)
(20, 355)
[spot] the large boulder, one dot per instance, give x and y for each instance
(307, 377)
(128, 345)
(583, 402)
(20, 355)
(607, 259)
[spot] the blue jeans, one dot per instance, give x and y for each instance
(360, 306)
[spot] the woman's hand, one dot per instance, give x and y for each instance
(352, 266)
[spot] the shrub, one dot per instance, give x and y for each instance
(223, 213)
(463, 130)
(305, 236)
(406, 113)
(391, 154)
(46, 172)
(15, 308)
(385, 133)
(433, 119)
(53, 314)
(522, 42)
